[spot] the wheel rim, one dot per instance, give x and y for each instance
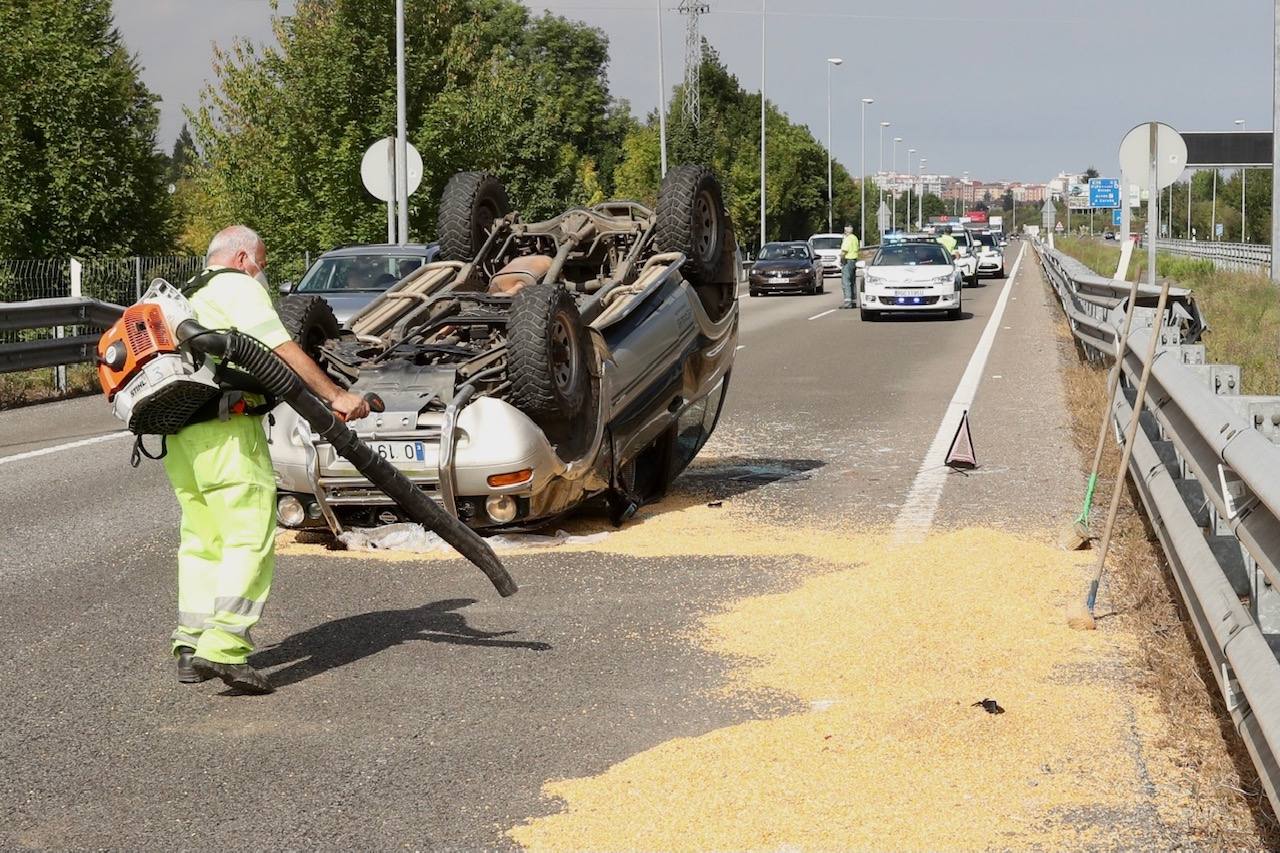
(565, 363)
(706, 218)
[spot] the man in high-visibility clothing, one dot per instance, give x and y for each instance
(948, 242)
(221, 471)
(849, 248)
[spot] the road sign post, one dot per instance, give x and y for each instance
(378, 171)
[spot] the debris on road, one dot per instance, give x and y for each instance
(887, 641)
(991, 706)
(412, 538)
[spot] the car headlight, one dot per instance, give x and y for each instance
(873, 281)
(943, 279)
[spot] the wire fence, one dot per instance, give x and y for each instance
(117, 280)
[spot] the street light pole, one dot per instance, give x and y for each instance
(831, 63)
(1213, 209)
(880, 168)
(662, 93)
(893, 192)
(763, 18)
(1275, 144)
(910, 186)
(862, 180)
(920, 206)
(402, 141)
(1244, 177)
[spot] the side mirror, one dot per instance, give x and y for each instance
(286, 287)
(861, 265)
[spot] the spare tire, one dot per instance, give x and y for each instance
(692, 220)
(309, 320)
(547, 353)
(468, 208)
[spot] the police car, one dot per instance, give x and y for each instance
(911, 273)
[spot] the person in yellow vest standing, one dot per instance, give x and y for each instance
(948, 242)
(220, 470)
(849, 248)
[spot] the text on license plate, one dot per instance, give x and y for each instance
(399, 451)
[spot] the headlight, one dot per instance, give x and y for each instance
(943, 279)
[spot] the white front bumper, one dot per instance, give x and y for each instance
(890, 299)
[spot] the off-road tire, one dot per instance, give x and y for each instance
(309, 321)
(470, 204)
(547, 353)
(691, 220)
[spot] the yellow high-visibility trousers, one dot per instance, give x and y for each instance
(221, 472)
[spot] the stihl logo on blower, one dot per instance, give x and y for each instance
(154, 385)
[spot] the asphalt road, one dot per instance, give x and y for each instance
(416, 709)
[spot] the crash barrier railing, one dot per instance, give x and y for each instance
(76, 313)
(110, 280)
(1207, 468)
(1225, 256)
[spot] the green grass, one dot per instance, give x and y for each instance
(33, 386)
(1241, 309)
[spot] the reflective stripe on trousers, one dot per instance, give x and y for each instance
(221, 473)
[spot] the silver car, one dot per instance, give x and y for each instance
(536, 366)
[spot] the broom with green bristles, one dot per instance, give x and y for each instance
(1076, 535)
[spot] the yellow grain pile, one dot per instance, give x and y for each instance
(891, 654)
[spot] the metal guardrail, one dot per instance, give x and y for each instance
(1228, 256)
(1207, 468)
(58, 313)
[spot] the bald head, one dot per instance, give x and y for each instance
(238, 247)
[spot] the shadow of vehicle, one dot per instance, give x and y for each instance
(333, 644)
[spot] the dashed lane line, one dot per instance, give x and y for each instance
(916, 516)
(58, 448)
(823, 314)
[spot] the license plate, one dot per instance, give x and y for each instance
(399, 452)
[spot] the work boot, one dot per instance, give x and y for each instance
(240, 676)
(186, 672)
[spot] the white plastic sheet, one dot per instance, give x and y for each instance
(413, 538)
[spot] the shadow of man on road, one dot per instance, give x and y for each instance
(343, 641)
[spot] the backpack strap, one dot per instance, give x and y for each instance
(197, 282)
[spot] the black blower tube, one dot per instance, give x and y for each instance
(268, 368)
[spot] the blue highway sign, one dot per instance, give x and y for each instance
(1104, 193)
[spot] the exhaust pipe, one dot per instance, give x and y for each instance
(267, 368)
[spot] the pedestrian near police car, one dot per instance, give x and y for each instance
(221, 472)
(849, 248)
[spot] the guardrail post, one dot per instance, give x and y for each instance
(60, 372)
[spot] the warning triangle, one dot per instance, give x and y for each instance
(961, 455)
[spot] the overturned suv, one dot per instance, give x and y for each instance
(535, 367)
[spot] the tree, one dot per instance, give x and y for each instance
(728, 140)
(281, 130)
(183, 156)
(79, 168)
(1090, 173)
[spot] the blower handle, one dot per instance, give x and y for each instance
(375, 403)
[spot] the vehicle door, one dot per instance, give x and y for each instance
(648, 345)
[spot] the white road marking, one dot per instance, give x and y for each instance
(741, 347)
(916, 515)
(823, 314)
(58, 448)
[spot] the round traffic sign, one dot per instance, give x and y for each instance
(1171, 154)
(376, 168)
